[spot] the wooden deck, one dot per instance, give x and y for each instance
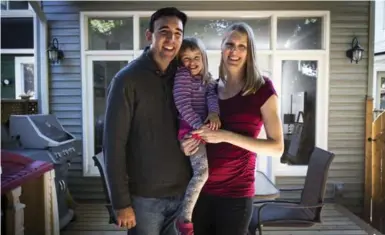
(92, 219)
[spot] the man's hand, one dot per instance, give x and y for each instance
(126, 217)
(189, 146)
(214, 122)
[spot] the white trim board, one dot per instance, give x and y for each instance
(18, 51)
(17, 13)
(40, 33)
(321, 55)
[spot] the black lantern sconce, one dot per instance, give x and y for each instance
(55, 55)
(356, 52)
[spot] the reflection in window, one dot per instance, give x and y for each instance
(299, 33)
(211, 31)
(4, 5)
(110, 34)
(14, 5)
(18, 5)
(19, 28)
(143, 26)
(29, 82)
(103, 72)
(382, 92)
(298, 97)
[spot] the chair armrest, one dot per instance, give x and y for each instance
(273, 201)
(290, 189)
(285, 204)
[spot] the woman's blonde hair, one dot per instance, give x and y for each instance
(253, 78)
(192, 43)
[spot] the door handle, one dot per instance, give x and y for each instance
(60, 184)
(64, 185)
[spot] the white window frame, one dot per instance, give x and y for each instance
(19, 78)
(273, 51)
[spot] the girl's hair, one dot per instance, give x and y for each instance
(253, 78)
(192, 43)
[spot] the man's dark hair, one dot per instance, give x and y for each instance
(165, 12)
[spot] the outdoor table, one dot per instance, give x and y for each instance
(29, 188)
(264, 188)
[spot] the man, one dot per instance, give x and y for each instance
(146, 169)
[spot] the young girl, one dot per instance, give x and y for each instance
(197, 102)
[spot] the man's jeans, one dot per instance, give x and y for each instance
(155, 216)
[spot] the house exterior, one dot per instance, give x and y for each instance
(301, 47)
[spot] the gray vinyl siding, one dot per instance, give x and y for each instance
(348, 84)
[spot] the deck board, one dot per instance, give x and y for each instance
(92, 219)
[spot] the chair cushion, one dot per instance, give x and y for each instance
(277, 215)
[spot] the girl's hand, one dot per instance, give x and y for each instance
(212, 136)
(214, 121)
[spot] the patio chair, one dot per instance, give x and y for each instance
(99, 163)
(305, 213)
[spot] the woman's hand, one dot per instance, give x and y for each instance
(189, 146)
(212, 136)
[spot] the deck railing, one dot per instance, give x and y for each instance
(17, 106)
(374, 205)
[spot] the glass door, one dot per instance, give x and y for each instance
(302, 86)
(100, 71)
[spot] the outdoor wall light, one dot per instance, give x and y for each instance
(6, 82)
(55, 55)
(356, 52)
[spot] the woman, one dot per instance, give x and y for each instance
(247, 101)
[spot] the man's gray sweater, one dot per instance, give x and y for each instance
(141, 150)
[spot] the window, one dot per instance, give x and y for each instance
(110, 33)
(299, 33)
(210, 31)
(19, 33)
(101, 69)
(292, 50)
(14, 5)
(20, 9)
(25, 79)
